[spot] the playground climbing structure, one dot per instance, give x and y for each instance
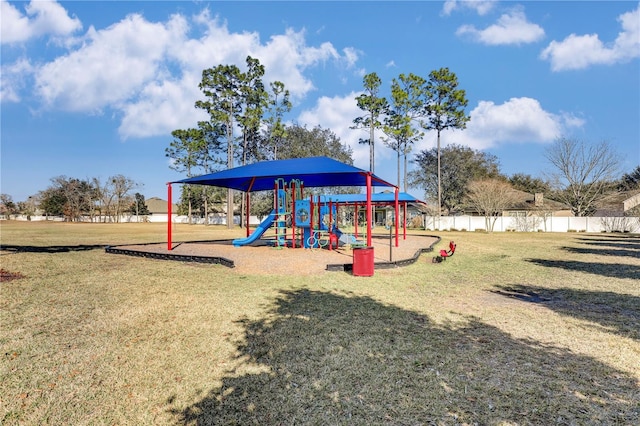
(296, 220)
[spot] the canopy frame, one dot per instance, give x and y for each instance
(313, 171)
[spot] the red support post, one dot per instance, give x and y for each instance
(293, 214)
(355, 215)
(169, 245)
(285, 207)
(369, 236)
(397, 215)
(248, 212)
(248, 203)
(330, 223)
(275, 209)
(311, 216)
(319, 213)
(404, 219)
(302, 198)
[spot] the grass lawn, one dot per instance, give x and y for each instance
(515, 329)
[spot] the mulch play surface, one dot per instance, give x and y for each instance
(9, 276)
(261, 258)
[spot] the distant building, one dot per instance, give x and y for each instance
(625, 203)
(537, 205)
(528, 204)
(159, 206)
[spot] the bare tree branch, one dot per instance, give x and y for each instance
(490, 198)
(584, 173)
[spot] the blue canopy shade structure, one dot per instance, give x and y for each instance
(377, 198)
(312, 171)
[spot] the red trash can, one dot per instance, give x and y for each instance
(363, 263)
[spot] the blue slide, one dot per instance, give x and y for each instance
(264, 225)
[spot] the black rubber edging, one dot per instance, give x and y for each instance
(178, 257)
(217, 260)
(348, 267)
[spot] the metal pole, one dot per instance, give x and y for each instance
(275, 210)
(397, 213)
(248, 211)
(390, 242)
(292, 188)
(404, 220)
(355, 221)
(369, 209)
(169, 245)
(330, 223)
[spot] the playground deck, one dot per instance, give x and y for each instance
(260, 258)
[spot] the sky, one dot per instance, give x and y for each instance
(95, 88)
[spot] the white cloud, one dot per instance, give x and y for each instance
(286, 57)
(13, 79)
(111, 67)
(511, 28)
(481, 7)
(337, 113)
(579, 52)
(519, 120)
(216, 46)
(42, 18)
(570, 120)
(163, 106)
(15, 26)
(351, 56)
(148, 72)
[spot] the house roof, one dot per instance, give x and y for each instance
(526, 201)
(312, 171)
(619, 202)
(158, 205)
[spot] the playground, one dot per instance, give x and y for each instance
(95, 338)
(302, 219)
(262, 258)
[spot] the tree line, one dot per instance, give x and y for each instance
(246, 123)
(582, 176)
(416, 105)
(76, 199)
(458, 178)
(471, 180)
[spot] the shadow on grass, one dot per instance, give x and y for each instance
(613, 270)
(613, 239)
(324, 358)
(618, 313)
(605, 251)
(613, 242)
(49, 249)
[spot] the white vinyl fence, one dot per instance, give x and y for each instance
(534, 224)
(444, 223)
(214, 219)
